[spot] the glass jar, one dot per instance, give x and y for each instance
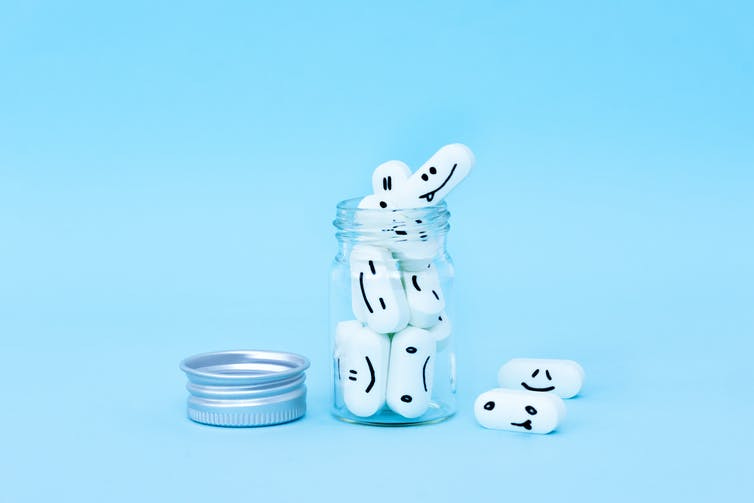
(391, 308)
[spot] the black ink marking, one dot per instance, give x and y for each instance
(352, 372)
(411, 350)
(418, 221)
(435, 294)
(429, 196)
(530, 410)
(402, 233)
(416, 284)
(384, 183)
(535, 373)
(338, 360)
(390, 183)
(406, 398)
(371, 267)
(383, 204)
(382, 303)
(547, 373)
(371, 372)
(424, 373)
(532, 388)
(489, 405)
(363, 293)
(425, 177)
(351, 378)
(433, 170)
(526, 424)
(439, 318)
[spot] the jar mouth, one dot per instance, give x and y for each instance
(352, 220)
(353, 205)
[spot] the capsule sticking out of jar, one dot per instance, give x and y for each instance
(562, 377)
(522, 411)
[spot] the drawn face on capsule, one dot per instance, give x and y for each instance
(361, 357)
(562, 377)
(411, 241)
(377, 295)
(411, 372)
(514, 410)
(438, 176)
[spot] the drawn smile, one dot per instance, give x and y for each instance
(532, 388)
(526, 424)
(429, 196)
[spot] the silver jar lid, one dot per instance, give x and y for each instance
(245, 388)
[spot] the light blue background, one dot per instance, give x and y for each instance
(168, 177)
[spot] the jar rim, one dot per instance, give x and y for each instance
(352, 204)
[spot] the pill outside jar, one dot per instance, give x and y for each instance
(391, 313)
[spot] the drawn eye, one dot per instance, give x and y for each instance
(531, 410)
(547, 373)
(489, 406)
(535, 373)
(432, 170)
(406, 398)
(418, 221)
(383, 204)
(411, 350)
(425, 177)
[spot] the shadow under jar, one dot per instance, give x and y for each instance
(391, 335)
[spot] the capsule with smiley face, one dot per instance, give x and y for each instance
(411, 372)
(562, 377)
(436, 177)
(515, 410)
(396, 188)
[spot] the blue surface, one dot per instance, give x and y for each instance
(168, 175)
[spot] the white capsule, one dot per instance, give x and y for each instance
(515, 410)
(424, 296)
(411, 372)
(441, 331)
(412, 241)
(562, 377)
(389, 178)
(377, 295)
(436, 177)
(361, 359)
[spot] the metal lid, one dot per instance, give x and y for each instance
(245, 388)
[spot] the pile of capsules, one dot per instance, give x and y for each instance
(529, 398)
(386, 355)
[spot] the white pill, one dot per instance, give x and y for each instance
(361, 358)
(516, 410)
(424, 296)
(441, 331)
(412, 242)
(373, 202)
(411, 371)
(377, 295)
(389, 179)
(562, 377)
(438, 176)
